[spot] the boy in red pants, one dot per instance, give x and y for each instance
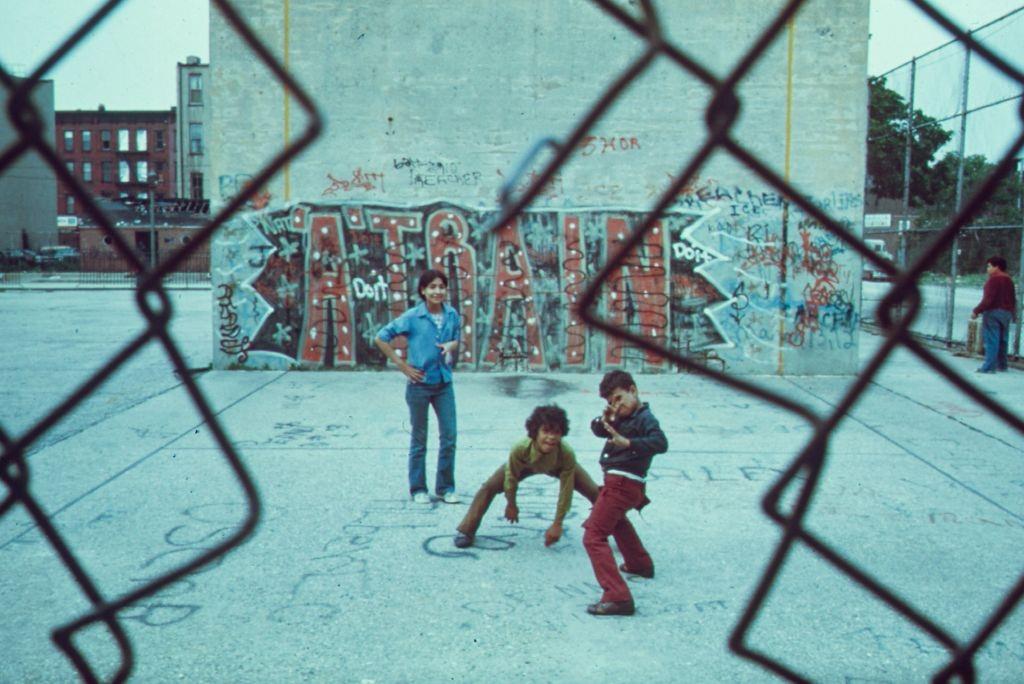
(633, 438)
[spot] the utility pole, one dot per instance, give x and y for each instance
(1020, 271)
(951, 297)
(152, 180)
(904, 224)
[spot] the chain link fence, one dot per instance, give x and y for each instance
(797, 485)
(155, 306)
(941, 123)
(103, 269)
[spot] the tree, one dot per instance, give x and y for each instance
(1001, 206)
(887, 128)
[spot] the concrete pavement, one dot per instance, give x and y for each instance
(346, 580)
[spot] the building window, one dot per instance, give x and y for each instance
(124, 171)
(160, 168)
(123, 139)
(142, 171)
(140, 140)
(196, 183)
(195, 138)
(195, 89)
(159, 139)
(87, 141)
(87, 171)
(69, 204)
(105, 140)
(69, 141)
(107, 172)
(70, 166)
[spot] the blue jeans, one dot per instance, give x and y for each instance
(995, 333)
(442, 396)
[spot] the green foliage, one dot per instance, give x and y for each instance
(887, 133)
(1000, 209)
(933, 185)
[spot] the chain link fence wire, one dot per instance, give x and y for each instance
(154, 304)
(797, 485)
(800, 480)
(953, 93)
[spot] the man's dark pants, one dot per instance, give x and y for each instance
(995, 334)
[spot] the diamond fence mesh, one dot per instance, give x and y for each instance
(897, 311)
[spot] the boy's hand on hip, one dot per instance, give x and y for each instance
(512, 513)
(411, 372)
(553, 534)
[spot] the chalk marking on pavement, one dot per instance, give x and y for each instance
(957, 420)
(61, 437)
(920, 458)
(139, 462)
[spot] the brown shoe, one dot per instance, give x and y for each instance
(648, 573)
(612, 608)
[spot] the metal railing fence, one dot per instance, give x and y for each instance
(104, 269)
(803, 474)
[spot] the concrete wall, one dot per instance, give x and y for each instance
(427, 116)
(28, 188)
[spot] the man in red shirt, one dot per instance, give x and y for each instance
(998, 307)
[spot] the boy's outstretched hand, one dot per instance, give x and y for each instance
(512, 513)
(553, 534)
(616, 438)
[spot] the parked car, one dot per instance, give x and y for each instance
(871, 272)
(58, 256)
(16, 257)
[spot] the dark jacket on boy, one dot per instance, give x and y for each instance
(645, 440)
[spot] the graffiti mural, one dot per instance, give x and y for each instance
(311, 284)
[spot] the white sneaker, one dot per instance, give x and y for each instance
(421, 497)
(450, 497)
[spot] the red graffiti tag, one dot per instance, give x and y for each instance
(574, 277)
(360, 180)
(450, 253)
(637, 299)
(327, 336)
(391, 227)
(515, 330)
(599, 144)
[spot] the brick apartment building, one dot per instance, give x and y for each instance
(116, 155)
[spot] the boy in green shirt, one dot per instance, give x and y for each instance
(542, 451)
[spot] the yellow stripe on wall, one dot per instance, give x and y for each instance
(287, 102)
(790, 39)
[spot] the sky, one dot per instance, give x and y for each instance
(900, 31)
(129, 61)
